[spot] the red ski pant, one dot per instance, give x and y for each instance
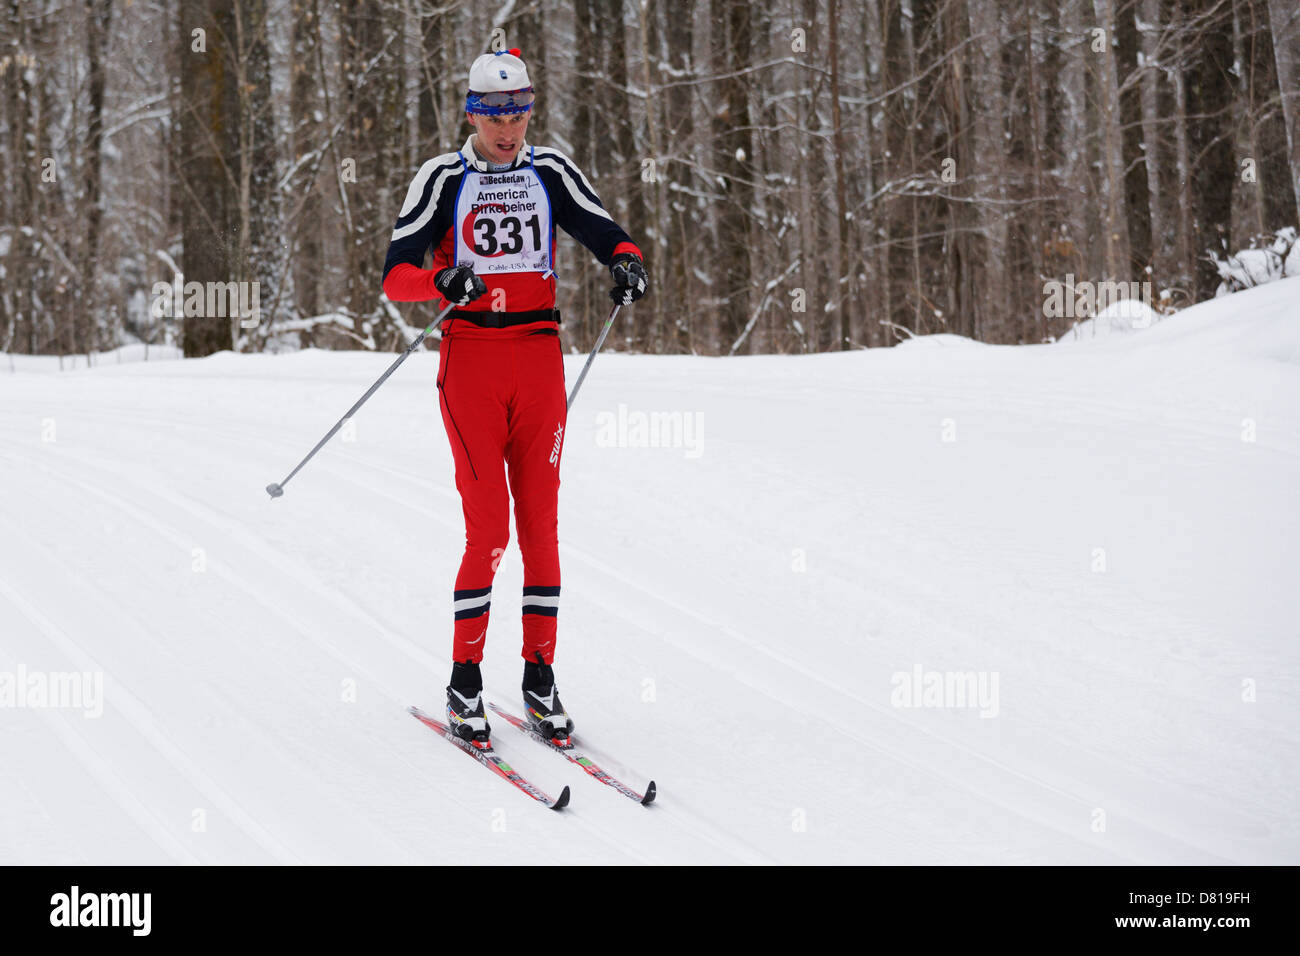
(503, 405)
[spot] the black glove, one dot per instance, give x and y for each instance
(459, 285)
(630, 280)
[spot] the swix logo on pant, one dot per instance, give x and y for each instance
(555, 449)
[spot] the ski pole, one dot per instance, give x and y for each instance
(276, 490)
(592, 357)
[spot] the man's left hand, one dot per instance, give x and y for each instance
(630, 279)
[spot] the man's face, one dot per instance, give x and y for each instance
(499, 137)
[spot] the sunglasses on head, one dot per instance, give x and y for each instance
(509, 101)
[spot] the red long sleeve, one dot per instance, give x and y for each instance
(408, 283)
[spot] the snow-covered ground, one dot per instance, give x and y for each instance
(1104, 537)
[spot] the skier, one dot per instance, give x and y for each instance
(488, 213)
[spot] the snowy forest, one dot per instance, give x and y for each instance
(802, 175)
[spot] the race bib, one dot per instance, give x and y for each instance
(503, 222)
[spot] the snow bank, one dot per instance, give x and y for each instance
(940, 340)
(125, 354)
(1119, 318)
(1276, 257)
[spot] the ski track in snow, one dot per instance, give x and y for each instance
(267, 688)
(143, 506)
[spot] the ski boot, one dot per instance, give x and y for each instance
(542, 707)
(465, 714)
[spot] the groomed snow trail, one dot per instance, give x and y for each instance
(1108, 529)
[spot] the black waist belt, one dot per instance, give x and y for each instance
(503, 320)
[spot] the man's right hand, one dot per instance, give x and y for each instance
(459, 285)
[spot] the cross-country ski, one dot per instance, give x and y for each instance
(566, 747)
(492, 760)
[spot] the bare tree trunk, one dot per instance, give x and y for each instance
(913, 98)
(624, 191)
(963, 307)
(895, 121)
(872, 252)
(18, 201)
(587, 46)
(990, 148)
(679, 133)
(1035, 212)
(98, 16)
(208, 161)
(1183, 151)
(651, 80)
(731, 40)
(261, 239)
(840, 289)
(1159, 158)
(306, 133)
(1137, 198)
(373, 96)
(1210, 142)
(1275, 193)
(1284, 17)
(1114, 218)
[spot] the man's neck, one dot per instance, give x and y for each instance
(492, 167)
